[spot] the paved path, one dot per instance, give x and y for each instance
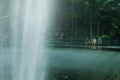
(116, 48)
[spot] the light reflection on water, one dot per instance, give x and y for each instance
(71, 64)
(84, 64)
(83, 58)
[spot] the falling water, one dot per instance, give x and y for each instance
(28, 23)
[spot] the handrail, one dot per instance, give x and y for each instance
(79, 41)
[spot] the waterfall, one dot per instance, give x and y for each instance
(29, 22)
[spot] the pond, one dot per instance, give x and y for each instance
(69, 64)
(84, 64)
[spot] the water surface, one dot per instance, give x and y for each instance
(69, 64)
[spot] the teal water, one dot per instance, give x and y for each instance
(84, 64)
(69, 64)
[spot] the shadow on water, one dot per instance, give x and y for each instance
(80, 64)
(78, 74)
(71, 64)
(71, 74)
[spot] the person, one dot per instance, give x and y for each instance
(62, 35)
(86, 42)
(94, 42)
(99, 41)
(56, 35)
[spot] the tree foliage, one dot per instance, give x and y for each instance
(102, 13)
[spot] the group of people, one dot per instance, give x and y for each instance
(61, 35)
(93, 42)
(89, 42)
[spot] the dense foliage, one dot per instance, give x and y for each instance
(103, 16)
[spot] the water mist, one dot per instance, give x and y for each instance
(29, 22)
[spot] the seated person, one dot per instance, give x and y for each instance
(99, 41)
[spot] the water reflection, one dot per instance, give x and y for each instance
(82, 64)
(71, 64)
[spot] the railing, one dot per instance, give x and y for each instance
(69, 41)
(111, 42)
